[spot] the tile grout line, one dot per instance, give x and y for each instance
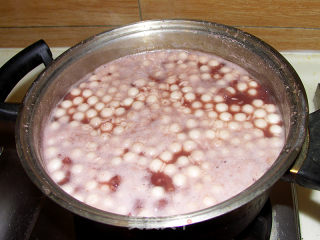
(140, 12)
(57, 26)
(141, 19)
(276, 27)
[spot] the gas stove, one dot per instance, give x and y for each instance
(279, 218)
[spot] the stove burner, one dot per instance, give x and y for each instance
(260, 228)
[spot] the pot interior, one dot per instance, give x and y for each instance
(260, 60)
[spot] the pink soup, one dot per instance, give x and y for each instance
(162, 133)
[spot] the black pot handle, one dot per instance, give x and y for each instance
(309, 173)
(10, 74)
(21, 212)
(18, 66)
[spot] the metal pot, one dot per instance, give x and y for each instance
(258, 58)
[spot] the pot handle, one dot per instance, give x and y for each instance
(19, 216)
(11, 73)
(306, 171)
(22, 63)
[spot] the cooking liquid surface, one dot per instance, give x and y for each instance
(162, 133)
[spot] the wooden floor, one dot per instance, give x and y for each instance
(285, 24)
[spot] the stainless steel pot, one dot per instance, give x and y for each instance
(258, 58)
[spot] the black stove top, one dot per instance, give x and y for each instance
(26, 214)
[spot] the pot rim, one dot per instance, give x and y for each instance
(290, 151)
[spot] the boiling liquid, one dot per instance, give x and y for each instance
(162, 133)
